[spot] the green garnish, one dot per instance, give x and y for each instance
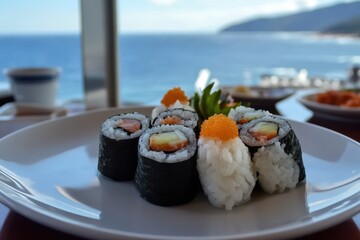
(209, 104)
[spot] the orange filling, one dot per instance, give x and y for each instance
(219, 127)
(129, 125)
(171, 120)
(167, 147)
(173, 95)
(243, 120)
(262, 137)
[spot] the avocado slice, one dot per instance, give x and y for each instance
(168, 141)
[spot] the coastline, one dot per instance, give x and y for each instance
(338, 35)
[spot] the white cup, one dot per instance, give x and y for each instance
(34, 85)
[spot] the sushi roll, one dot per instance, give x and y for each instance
(242, 115)
(166, 173)
(224, 163)
(177, 116)
(119, 136)
(276, 153)
(174, 98)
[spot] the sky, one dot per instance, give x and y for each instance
(149, 16)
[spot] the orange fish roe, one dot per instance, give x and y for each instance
(173, 95)
(219, 127)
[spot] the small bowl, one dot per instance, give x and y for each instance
(329, 111)
(259, 97)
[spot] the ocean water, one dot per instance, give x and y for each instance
(150, 64)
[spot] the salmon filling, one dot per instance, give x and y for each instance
(129, 125)
(172, 120)
(168, 141)
(264, 131)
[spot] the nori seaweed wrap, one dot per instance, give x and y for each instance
(119, 137)
(166, 174)
(275, 150)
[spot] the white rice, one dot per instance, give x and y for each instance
(156, 111)
(277, 170)
(178, 156)
(188, 118)
(234, 114)
(110, 129)
(226, 172)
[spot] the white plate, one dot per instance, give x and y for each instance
(14, 116)
(49, 174)
(10, 124)
(330, 111)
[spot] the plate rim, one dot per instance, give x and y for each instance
(54, 220)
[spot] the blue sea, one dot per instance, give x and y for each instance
(150, 64)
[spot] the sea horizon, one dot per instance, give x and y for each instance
(168, 59)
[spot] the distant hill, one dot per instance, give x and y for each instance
(351, 26)
(316, 20)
